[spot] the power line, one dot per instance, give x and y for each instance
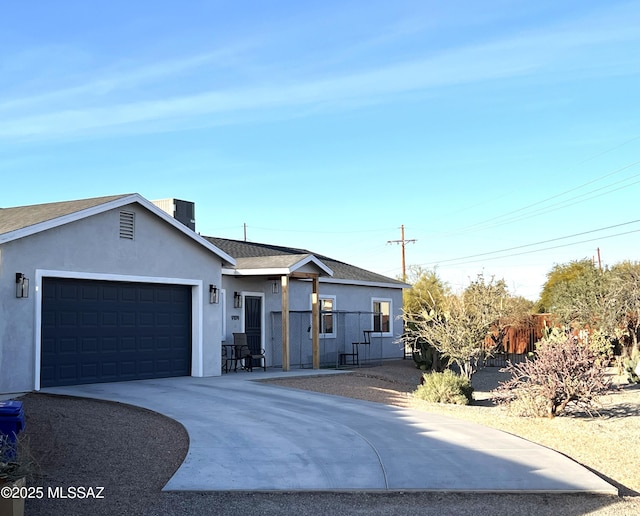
(539, 243)
(498, 222)
(542, 249)
(557, 246)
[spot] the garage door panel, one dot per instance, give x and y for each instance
(68, 372)
(146, 344)
(128, 319)
(109, 293)
(146, 367)
(163, 319)
(147, 295)
(127, 368)
(68, 346)
(109, 318)
(89, 293)
(146, 319)
(89, 319)
(89, 345)
(67, 292)
(128, 294)
(128, 345)
(89, 370)
(94, 331)
(164, 298)
(68, 319)
(108, 345)
(108, 369)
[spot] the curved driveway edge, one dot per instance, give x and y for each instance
(252, 436)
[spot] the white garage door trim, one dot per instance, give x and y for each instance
(197, 348)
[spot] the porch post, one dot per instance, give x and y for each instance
(285, 322)
(315, 324)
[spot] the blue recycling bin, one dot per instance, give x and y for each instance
(11, 424)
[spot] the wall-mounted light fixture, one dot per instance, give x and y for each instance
(237, 300)
(214, 294)
(275, 287)
(22, 285)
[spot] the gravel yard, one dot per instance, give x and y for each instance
(133, 452)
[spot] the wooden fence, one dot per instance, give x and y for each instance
(517, 342)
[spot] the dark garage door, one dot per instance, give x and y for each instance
(101, 331)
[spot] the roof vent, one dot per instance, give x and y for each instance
(127, 219)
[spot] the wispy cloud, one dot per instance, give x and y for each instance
(117, 103)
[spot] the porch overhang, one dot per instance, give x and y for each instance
(284, 265)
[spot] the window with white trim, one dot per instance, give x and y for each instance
(327, 306)
(382, 310)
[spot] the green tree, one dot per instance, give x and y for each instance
(625, 294)
(459, 327)
(583, 296)
(579, 294)
(428, 292)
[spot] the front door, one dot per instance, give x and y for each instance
(253, 322)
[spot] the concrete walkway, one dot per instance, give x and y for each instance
(246, 435)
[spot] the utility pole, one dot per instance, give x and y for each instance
(403, 242)
(599, 260)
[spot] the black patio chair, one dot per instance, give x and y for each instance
(243, 352)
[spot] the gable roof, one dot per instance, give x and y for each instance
(279, 264)
(250, 253)
(21, 217)
(23, 221)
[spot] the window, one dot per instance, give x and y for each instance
(381, 309)
(327, 305)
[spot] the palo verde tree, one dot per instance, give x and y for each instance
(428, 292)
(459, 327)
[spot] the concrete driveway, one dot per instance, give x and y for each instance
(246, 435)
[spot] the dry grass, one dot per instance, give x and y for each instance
(608, 444)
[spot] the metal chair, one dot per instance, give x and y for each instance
(243, 352)
(228, 357)
(354, 356)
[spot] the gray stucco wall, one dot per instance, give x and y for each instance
(91, 248)
(349, 326)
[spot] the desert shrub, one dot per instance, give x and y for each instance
(445, 387)
(631, 366)
(528, 403)
(16, 460)
(423, 356)
(601, 344)
(565, 371)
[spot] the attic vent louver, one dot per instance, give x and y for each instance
(127, 219)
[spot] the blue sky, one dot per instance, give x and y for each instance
(504, 135)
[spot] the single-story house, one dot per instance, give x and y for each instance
(117, 288)
(351, 301)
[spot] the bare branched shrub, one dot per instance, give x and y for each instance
(564, 371)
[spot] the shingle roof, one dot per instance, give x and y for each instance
(20, 217)
(243, 251)
(270, 262)
(22, 221)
